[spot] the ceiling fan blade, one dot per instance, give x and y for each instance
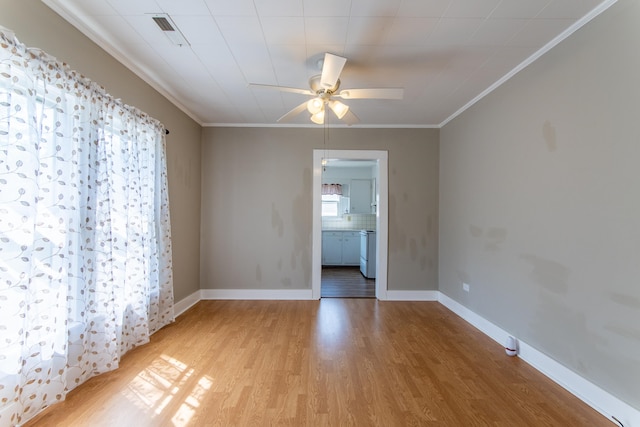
(282, 88)
(350, 118)
(291, 114)
(331, 69)
(374, 93)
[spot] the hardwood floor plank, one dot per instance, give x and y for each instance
(320, 363)
(346, 282)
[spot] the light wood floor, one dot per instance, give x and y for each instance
(346, 282)
(338, 362)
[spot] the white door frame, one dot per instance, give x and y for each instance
(382, 215)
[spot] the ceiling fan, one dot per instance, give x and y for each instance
(325, 87)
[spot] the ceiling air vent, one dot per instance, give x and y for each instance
(163, 23)
(170, 29)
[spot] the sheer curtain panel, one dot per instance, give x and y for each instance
(85, 247)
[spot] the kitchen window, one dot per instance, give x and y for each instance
(330, 204)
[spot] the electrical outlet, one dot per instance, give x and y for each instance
(465, 287)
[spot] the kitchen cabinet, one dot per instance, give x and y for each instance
(331, 248)
(340, 247)
(350, 248)
(360, 196)
(374, 198)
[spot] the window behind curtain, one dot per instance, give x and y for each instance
(85, 247)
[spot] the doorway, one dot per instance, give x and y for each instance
(381, 215)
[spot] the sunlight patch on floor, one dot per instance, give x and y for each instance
(192, 402)
(155, 386)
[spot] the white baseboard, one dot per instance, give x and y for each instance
(186, 303)
(412, 295)
(492, 331)
(257, 294)
(600, 400)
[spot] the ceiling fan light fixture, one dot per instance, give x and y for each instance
(318, 118)
(325, 87)
(315, 105)
(338, 108)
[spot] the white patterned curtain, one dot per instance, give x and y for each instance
(85, 250)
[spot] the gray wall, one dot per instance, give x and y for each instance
(540, 204)
(38, 26)
(256, 205)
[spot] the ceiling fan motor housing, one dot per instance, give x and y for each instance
(322, 92)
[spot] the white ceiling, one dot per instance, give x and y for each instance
(444, 53)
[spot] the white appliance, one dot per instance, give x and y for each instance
(368, 254)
